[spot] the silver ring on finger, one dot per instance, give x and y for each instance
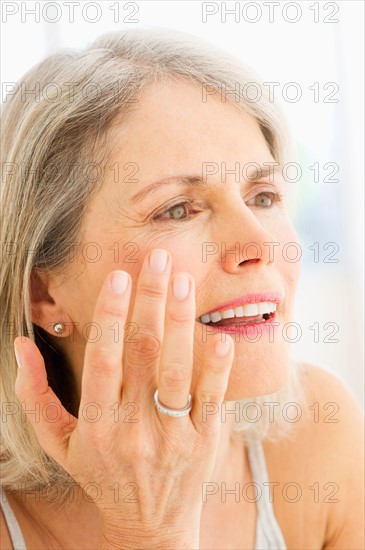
(173, 412)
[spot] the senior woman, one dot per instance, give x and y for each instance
(145, 286)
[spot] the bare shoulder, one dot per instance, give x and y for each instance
(334, 416)
(5, 542)
(323, 462)
(320, 382)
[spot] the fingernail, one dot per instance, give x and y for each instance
(181, 286)
(119, 282)
(17, 355)
(222, 348)
(158, 260)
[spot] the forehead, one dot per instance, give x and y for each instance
(171, 124)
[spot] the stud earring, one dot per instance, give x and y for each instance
(58, 327)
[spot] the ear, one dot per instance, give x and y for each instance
(47, 310)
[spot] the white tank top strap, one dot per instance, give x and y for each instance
(268, 532)
(12, 523)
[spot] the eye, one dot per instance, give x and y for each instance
(177, 212)
(264, 200)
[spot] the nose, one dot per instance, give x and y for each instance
(244, 240)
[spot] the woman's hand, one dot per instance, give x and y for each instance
(149, 467)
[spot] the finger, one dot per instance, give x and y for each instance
(142, 355)
(212, 385)
(102, 372)
(176, 361)
(51, 422)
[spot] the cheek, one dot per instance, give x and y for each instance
(291, 272)
(184, 255)
(287, 255)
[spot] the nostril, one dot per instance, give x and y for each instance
(252, 261)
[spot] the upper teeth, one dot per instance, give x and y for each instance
(241, 311)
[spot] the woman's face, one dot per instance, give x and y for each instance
(173, 133)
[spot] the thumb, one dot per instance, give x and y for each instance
(51, 422)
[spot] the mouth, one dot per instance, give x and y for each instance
(251, 309)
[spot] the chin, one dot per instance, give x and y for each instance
(258, 369)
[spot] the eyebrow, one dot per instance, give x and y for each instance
(193, 181)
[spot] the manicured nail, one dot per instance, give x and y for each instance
(119, 282)
(181, 286)
(17, 355)
(158, 260)
(222, 348)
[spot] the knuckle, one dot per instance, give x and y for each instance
(147, 346)
(179, 317)
(210, 397)
(139, 451)
(175, 378)
(152, 290)
(113, 308)
(216, 369)
(103, 362)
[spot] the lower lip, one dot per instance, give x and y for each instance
(254, 330)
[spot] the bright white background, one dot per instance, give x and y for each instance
(303, 52)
